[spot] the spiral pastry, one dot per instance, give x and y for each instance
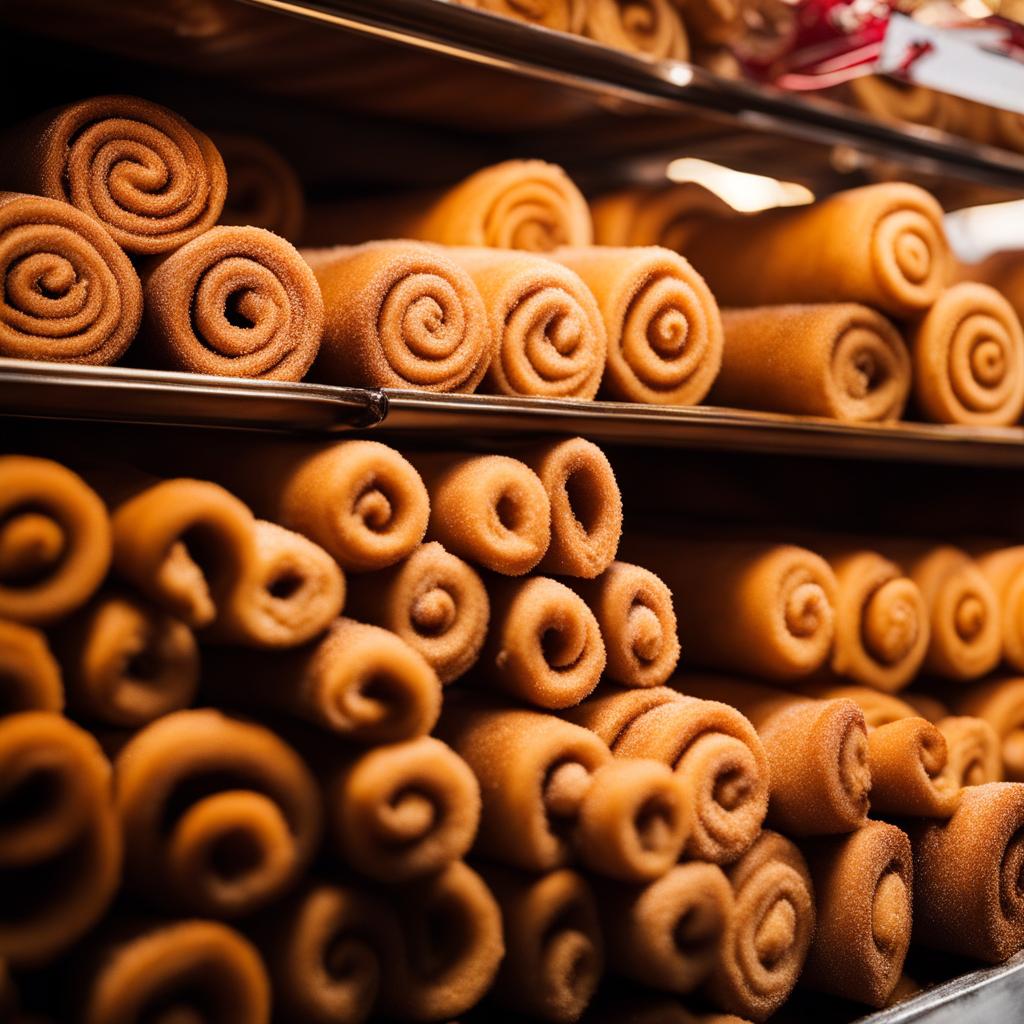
(653, 28)
(127, 662)
(402, 315)
(713, 749)
(435, 602)
(769, 932)
(219, 816)
(548, 337)
(667, 934)
(330, 950)
(55, 540)
(235, 302)
(817, 753)
(263, 189)
(1000, 702)
(882, 630)
(891, 99)
(452, 947)
(968, 355)
(975, 755)
(880, 245)
(30, 678)
(838, 360)
(967, 870)
(862, 892)
(357, 681)
(60, 845)
(1003, 567)
(402, 810)
(145, 173)
(554, 952)
(70, 295)
(201, 971)
(910, 771)
(633, 608)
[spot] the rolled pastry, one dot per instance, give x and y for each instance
(145, 173)
(60, 845)
(71, 295)
(817, 750)
(434, 601)
(489, 509)
(967, 897)
(127, 662)
(586, 506)
(452, 947)
(880, 245)
(662, 215)
(220, 816)
(401, 315)
(975, 754)
(711, 746)
(838, 360)
(193, 970)
(30, 678)
(554, 952)
(544, 645)
(234, 302)
(663, 324)
(769, 932)
(547, 335)
(652, 28)
(667, 934)
(401, 810)
(1000, 702)
(360, 682)
(862, 890)
(55, 540)
(910, 770)
(1003, 567)
(968, 355)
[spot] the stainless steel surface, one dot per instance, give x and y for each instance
(992, 995)
(504, 43)
(122, 395)
(118, 395)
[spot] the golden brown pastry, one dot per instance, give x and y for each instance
(55, 543)
(652, 28)
(769, 931)
(434, 601)
(880, 245)
(548, 339)
(400, 810)
(711, 746)
(60, 846)
(910, 770)
(817, 752)
(193, 970)
(1003, 567)
(862, 891)
(878, 708)
(1000, 702)
(400, 315)
(145, 173)
(127, 662)
(975, 754)
(664, 328)
(359, 682)
(220, 816)
(633, 608)
(554, 952)
(234, 302)
(968, 355)
(667, 934)
(561, 15)
(967, 897)
(839, 360)
(30, 678)
(491, 510)
(544, 645)
(71, 295)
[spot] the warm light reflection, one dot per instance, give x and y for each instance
(979, 231)
(747, 193)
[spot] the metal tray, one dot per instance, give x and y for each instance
(56, 391)
(483, 37)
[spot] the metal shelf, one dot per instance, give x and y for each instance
(486, 38)
(120, 395)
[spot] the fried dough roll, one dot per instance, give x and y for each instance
(1000, 702)
(30, 678)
